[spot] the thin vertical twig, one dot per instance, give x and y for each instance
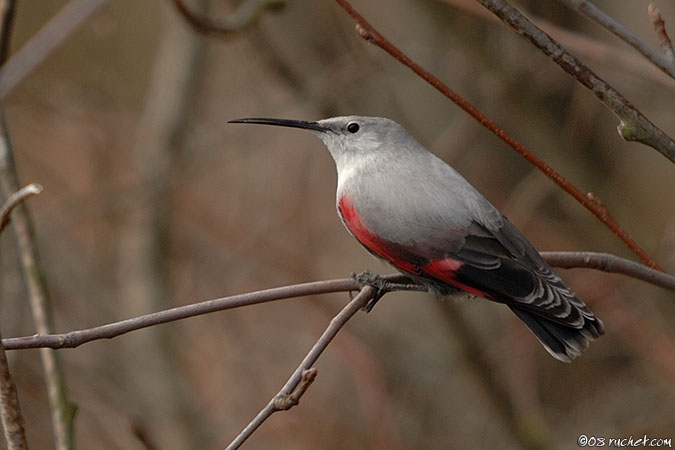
(62, 410)
(13, 423)
(10, 411)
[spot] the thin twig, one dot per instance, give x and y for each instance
(594, 13)
(50, 36)
(13, 423)
(14, 200)
(72, 339)
(246, 14)
(368, 32)
(61, 409)
(366, 293)
(660, 29)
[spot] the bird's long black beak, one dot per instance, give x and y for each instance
(314, 126)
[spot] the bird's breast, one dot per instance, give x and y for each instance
(367, 237)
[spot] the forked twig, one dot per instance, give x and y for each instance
(304, 370)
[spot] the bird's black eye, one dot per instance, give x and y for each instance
(353, 127)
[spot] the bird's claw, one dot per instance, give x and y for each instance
(374, 280)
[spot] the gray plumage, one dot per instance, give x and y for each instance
(408, 207)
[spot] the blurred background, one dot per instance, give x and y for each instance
(152, 201)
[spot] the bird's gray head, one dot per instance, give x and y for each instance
(348, 138)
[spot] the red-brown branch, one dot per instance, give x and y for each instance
(369, 33)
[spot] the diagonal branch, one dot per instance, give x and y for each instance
(633, 125)
(35, 51)
(594, 13)
(368, 32)
(305, 368)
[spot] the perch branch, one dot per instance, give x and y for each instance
(304, 370)
(76, 338)
(247, 13)
(72, 339)
(633, 125)
(610, 263)
(369, 33)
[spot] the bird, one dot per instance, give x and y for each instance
(409, 208)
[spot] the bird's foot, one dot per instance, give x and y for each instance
(374, 280)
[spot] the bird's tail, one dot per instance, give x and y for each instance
(563, 342)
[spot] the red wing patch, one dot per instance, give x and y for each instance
(445, 270)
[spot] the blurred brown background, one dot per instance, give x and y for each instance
(151, 201)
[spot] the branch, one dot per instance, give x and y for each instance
(10, 411)
(633, 125)
(50, 36)
(610, 263)
(396, 282)
(369, 33)
(247, 13)
(61, 409)
(304, 371)
(14, 200)
(304, 375)
(76, 338)
(627, 60)
(591, 11)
